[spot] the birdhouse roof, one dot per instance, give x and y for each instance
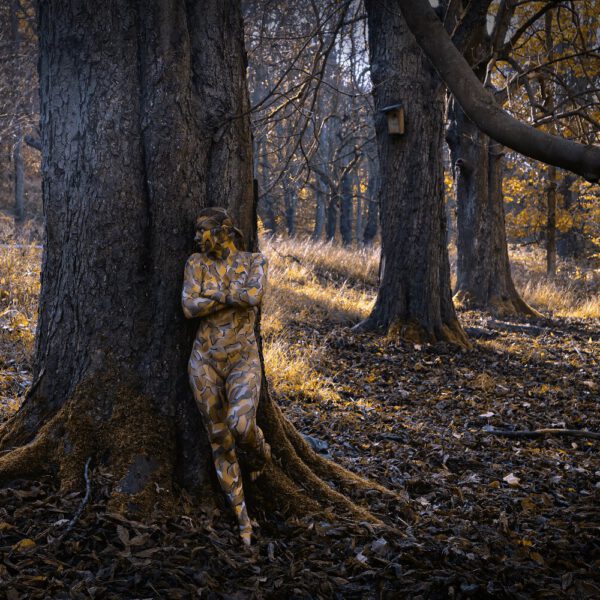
(390, 108)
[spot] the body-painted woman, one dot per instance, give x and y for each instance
(223, 286)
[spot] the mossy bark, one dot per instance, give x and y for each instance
(144, 114)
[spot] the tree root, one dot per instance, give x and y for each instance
(123, 431)
(349, 482)
(496, 305)
(107, 420)
(299, 474)
(412, 331)
(27, 461)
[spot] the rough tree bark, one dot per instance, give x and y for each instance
(144, 122)
(484, 278)
(414, 299)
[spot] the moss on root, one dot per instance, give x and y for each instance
(105, 418)
(108, 419)
(499, 306)
(412, 331)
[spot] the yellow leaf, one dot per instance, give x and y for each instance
(527, 504)
(26, 545)
(537, 557)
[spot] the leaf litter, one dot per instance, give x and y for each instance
(491, 517)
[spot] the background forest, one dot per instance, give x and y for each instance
(486, 425)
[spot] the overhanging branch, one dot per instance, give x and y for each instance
(480, 106)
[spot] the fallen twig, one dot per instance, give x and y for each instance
(84, 501)
(536, 433)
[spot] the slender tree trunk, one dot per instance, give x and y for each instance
(484, 279)
(414, 299)
(549, 91)
(332, 217)
(359, 225)
(570, 243)
(551, 223)
(19, 181)
(346, 209)
(266, 205)
(291, 205)
(136, 139)
(319, 226)
(372, 220)
(19, 165)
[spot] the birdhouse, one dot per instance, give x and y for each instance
(395, 118)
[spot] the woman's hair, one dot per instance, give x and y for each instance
(215, 216)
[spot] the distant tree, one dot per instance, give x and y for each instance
(18, 98)
(484, 278)
(414, 299)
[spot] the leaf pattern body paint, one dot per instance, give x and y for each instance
(223, 287)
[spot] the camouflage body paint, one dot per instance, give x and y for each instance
(223, 286)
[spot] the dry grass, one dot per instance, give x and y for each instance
(310, 285)
(19, 290)
(573, 293)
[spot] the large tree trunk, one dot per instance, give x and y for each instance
(138, 134)
(484, 278)
(414, 299)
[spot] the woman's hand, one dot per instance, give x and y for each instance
(215, 294)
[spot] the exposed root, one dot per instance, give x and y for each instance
(501, 306)
(412, 331)
(348, 482)
(20, 428)
(291, 477)
(106, 418)
(26, 461)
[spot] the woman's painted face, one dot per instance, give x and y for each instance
(211, 239)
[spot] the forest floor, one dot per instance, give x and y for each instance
(494, 517)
